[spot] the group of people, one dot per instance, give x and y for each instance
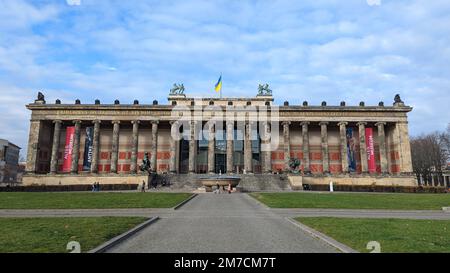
(96, 187)
(218, 190)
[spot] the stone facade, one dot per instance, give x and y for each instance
(317, 135)
(9, 162)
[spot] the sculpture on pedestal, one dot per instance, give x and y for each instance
(146, 165)
(264, 90)
(294, 164)
(178, 89)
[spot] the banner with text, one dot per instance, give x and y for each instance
(88, 147)
(68, 149)
(370, 151)
(351, 150)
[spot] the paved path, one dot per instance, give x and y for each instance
(223, 223)
(364, 213)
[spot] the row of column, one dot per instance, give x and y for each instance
(248, 166)
(343, 146)
(96, 147)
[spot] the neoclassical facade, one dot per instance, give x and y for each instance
(329, 141)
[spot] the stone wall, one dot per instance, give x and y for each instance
(363, 180)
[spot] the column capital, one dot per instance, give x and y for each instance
(323, 123)
(76, 122)
(343, 123)
(96, 121)
(230, 122)
(57, 121)
(154, 121)
(135, 121)
(361, 123)
(305, 123)
(115, 122)
(380, 124)
(286, 123)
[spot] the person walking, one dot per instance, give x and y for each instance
(229, 188)
(143, 186)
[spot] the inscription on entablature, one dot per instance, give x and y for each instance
(341, 114)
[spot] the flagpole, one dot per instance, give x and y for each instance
(221, 85)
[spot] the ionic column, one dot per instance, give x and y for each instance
(33, 146)
(55, 147)
(115, 146)
(211, 148)
(287, 146)
(95, 146)
(153, 157)
(343, 136)
(135, 145)
(362, 146)
(248, 166)
(305, 135)
(192, 145)
(267, 167)
(325, 156)
(76, 147)
(382, 146)
(173, 148)
(230, 137)
(404, 147)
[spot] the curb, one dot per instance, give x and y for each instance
(116, 240)
(316, 234)
(185, 201)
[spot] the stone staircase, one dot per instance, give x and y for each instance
(249, 182)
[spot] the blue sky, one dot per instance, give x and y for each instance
(314, 50)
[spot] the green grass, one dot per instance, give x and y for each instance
(51, 235)
(394, 235)
(89, 200)
(395, 201)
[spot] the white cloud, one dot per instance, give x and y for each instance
(309, 50)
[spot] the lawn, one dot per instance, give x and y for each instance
(51, 235)
(89, 200)
(394, 201)
(394, 235)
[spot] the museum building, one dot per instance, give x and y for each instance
(84, 143)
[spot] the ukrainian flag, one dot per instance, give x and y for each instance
(218, 86)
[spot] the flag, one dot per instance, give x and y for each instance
(218, 86)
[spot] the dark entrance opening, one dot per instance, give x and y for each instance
(184, 156)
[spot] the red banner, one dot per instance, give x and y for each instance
(70, 135)
(370, 151)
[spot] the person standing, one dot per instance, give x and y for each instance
(143, 186)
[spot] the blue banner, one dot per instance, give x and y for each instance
(351, 150)
(88, 148)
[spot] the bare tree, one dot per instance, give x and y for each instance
(430, 154)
